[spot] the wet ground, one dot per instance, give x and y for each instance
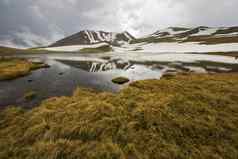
(69, 71)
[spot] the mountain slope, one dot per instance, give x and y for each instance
(202, 34)
(88, 37)
(172, 39)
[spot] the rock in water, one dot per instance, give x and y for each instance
(120, 80)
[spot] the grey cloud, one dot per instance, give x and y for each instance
(44, 21)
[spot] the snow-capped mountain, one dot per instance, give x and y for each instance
(119, 41)
(202, 34)
(172, 39)
(169, 31)
(198, 31)
(88, 37)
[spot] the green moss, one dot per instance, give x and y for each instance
(38, 65)
(105, 48)
(188, 116)
(7, 51)
(120, 80)
(30, 95)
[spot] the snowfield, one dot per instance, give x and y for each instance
(168, 30)
(155, 47)
(208, 31)
(120, 42)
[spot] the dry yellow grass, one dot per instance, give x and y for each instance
(13, 68)
(188, 116)
(105, 48)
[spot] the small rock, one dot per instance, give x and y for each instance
(61, 73)
(30, 80)
(120, 80)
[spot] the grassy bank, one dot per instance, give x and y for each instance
(14, 68)
(9, 51)
(192, 116)
(104, 48)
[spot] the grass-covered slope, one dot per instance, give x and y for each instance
(100, 49)
(14, 68)
(7, 51)
(210, 40)
(184, 117)
(207, 40)
(201, 35)
(227, 30)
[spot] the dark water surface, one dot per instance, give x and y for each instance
(60, 79)
(69, 71)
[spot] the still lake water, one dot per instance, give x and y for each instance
(71, 70)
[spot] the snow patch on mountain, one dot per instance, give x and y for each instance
(100, 36)
(128, 36)
(174, 47)
(87, 37)
(208, 31)
(167, 32)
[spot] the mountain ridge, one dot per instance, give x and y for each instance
(171, 35)
(201, 34)
(87, 37)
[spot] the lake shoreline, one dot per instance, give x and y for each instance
(97, 71)
(170, 110)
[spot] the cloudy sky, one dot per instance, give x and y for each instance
(35, 22)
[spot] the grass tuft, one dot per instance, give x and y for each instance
(30, 95)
